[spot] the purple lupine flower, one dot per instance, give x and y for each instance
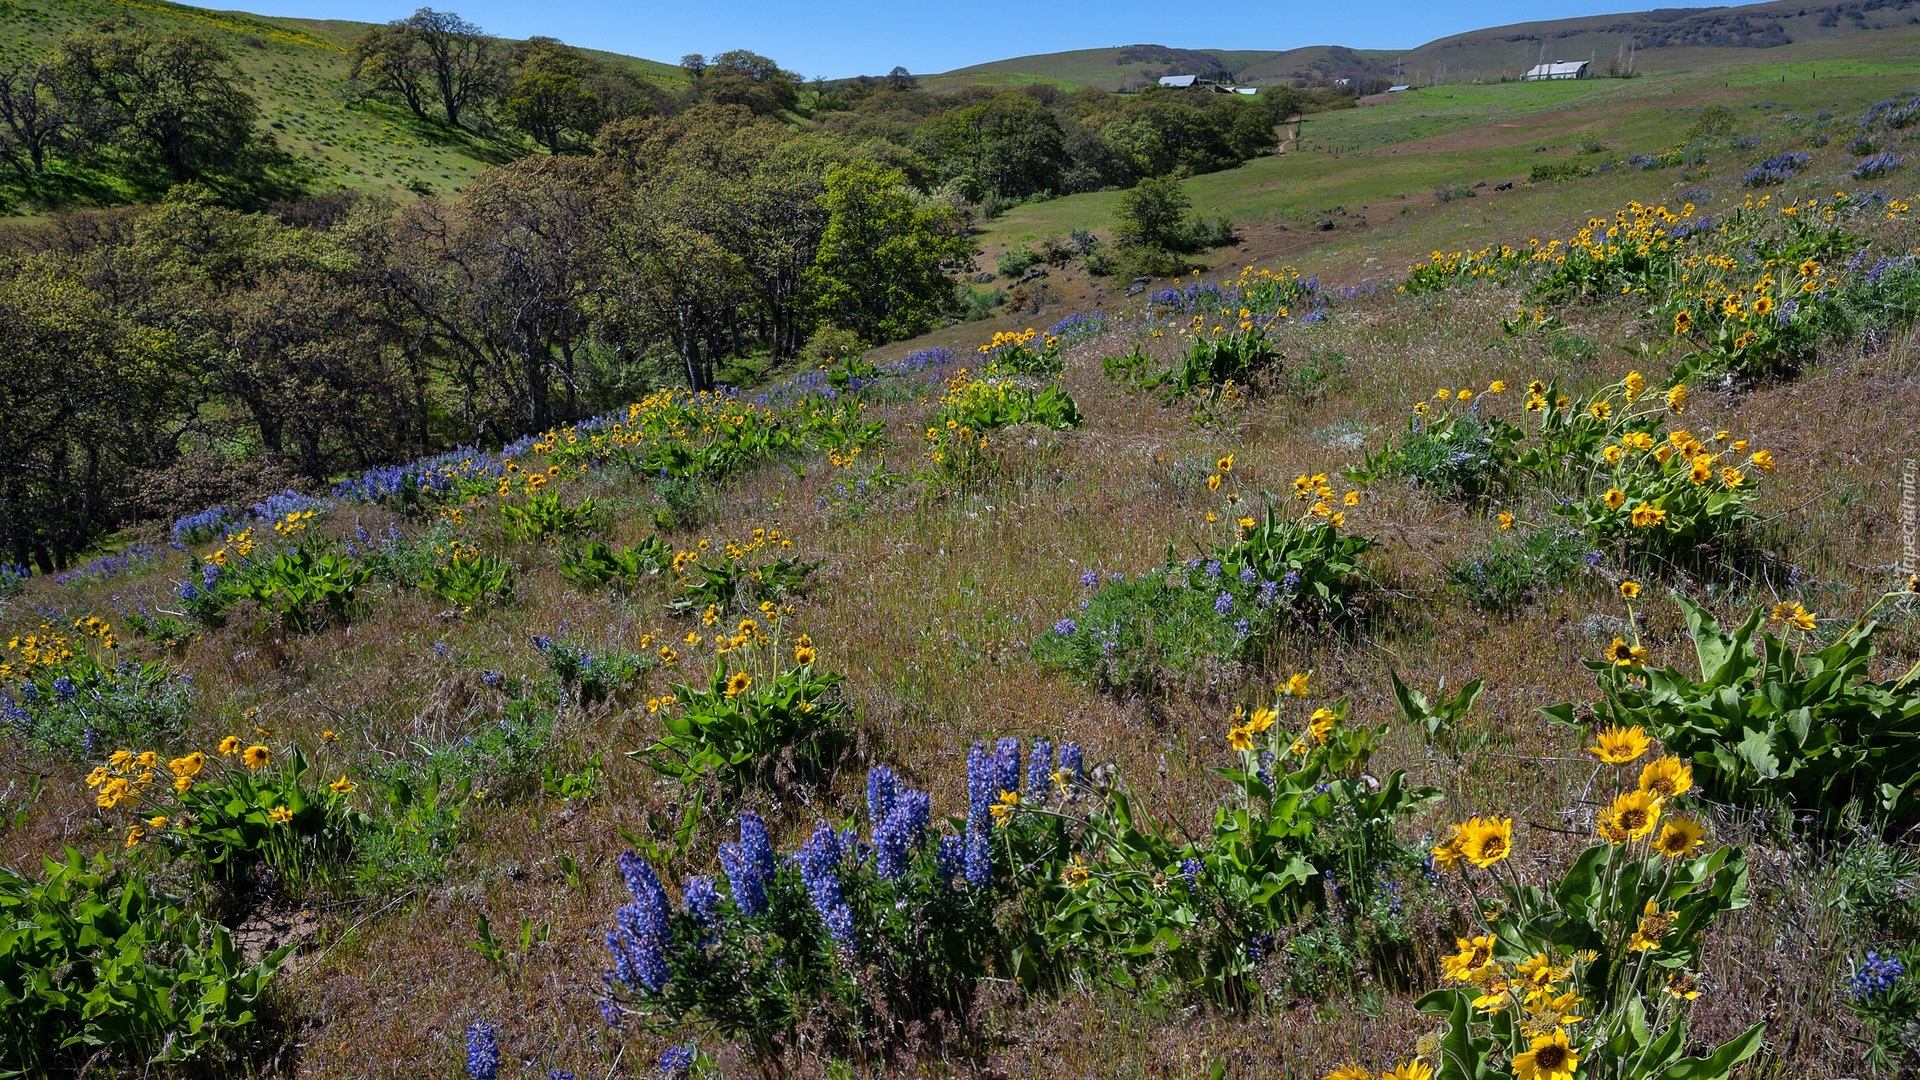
(1213, 568)
(1223, 603)
(1006, 765)
(979, 856)
(1070, 761)
(640, 934)
(1291, 582)
(483, 1051)
(1039, 765)
(881, 788)
(817, 859)
(952, 857)
(703, 900)
(1247, 575)
(676, 1062)
(1065, 627)
(748, 865)
(1191, 868)
(980, 789)
(1089, 578)
(902, 831)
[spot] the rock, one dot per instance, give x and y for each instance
(1324, 224)
(983, 277)
(1480, 184)
(1034, 272)
(1504, 185)
(1137, 286)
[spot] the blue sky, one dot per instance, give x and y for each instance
(869, 36)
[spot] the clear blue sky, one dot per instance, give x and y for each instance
(870, 36)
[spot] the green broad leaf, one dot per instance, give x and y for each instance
(1718, 1065)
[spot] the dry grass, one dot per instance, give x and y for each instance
(928, 598)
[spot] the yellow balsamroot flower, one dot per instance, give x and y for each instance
(1239, 738)
(182, 784)
(1600, 410)
(1636, 384)
(1506, 520)
(1630, 590)
(1678, 837)
(1701, 470)
(1338, 520)
(256, 757)
(1762, 459)
(1732, 477)
(1446, 853)
(803, 655)
(1677, 398)
(1466, 395)
(147, 759)
(98, 776)
(1632, 816)
(1409, 1070)
(1496, 387)
(1763, 305)
(1262, 719)
(329, 735)
(280, 815)
(1654, 926)
(1615, 498)
(1442, 393)
(1625, 655)
(1638, 440)
(1646, 516)
(341, 786)
(1792, 613)
(1075, 875)
(229, 746)
(1682, 986)
(1666, 777)
(1547, 1057)
(1225, 464)
(134, 836)
(1245, 523)
(1296, 685)
(1004, 807)
(1536, 387)
(120, 759)
(158, 821)
(1321, 724)
(1213, 482)
(190, 765)
(1472, 963)
(1613, 454)
(1349, 1071)
(1683, 322)
(738, 684)
(1351, 498)
(1485, 841)
(1620, 746)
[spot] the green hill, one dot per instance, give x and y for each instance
(299, 69)
(1666, 39)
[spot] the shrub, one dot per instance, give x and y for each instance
(234, 810)
(1153, 215)
(593, 677)
(545, 517)
(597, 564)
(742, 574)
(1016, 352)
(1587, 972)
(1015, 261)
(756, 721)
(1777, 169)
(1277, 572)
(93, 962)
(1558, 172)
(1467, 456)
(1671, 500)
(957, 437)
(75, 701)
(1212, 364)
(1785, 726)
(1507, 573)
(1447, 194)
(1877, 165)
(468, 579)
(308, 588)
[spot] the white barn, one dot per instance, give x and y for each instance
(1559, 69)
(1178, 80)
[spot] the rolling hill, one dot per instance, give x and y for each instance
(1665, 39)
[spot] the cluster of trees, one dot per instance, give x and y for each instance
(152, 108)
(337, 333)
(1004, 145)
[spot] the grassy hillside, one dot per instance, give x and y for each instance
(1666, 40)
(298, 69)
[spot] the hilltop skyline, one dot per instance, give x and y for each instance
(868, 38)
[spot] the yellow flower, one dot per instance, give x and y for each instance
(1075, 875)
(280, 815)
(120, 759)
(1732, 477)
(1763, 305)
(158, 821)
(341, 786)
(1613, 454)
(1409, 1070)
(256, 757)
(1678, 837)
(1666, 777)
(1682, 987)
(182, 784)
(1645, 516)
(98, 776)
(1654, 926)
(803, 655)
(1496, 387)
(1485, 841)
(1620, 746)
(1442, 393)
(1615, 498)
(1631, 817)
(1225, 464)
(1351, 498)
(134, 835)
(229, 746)
(1003, 808)
(147, 759)
(1262, 719)
(190, 765)
(1792, 613)
(1630, 590)
(1213, 482)
(1472, 963)
(1683, 322)
(1763, 460)
(1547, 1057)
(1701, 470)
(1349, 1071)
(1321, 724)
(1506, 520)
(1239, 738)
(1677, 398)
(1636, 384)
(1446, 853)
(1625, 655)
(1296, 685)
(1466, 395)
(1600, 410)
(328, 735)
